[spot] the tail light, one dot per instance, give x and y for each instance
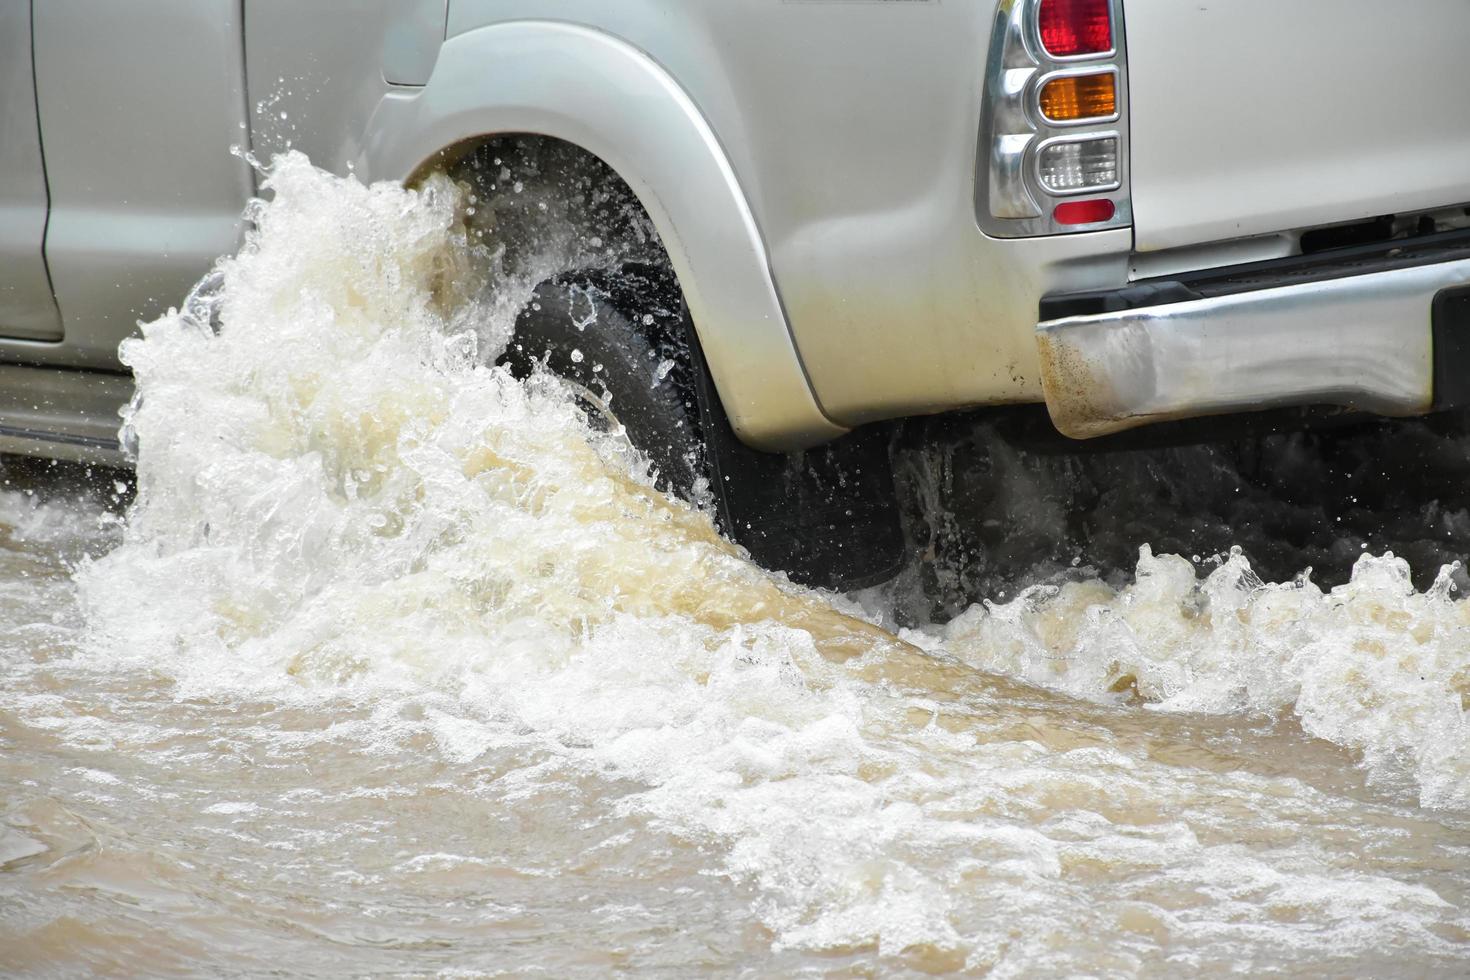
(1074, 27)
(1055, 120)
(1069, 166)
(1078, 98)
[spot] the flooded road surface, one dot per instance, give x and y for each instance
(397, 668)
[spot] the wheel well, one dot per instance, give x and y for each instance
(546, 211)
(545, 206)
(557, 217)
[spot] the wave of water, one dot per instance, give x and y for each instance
(339, 499)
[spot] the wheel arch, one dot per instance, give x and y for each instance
(613, 101)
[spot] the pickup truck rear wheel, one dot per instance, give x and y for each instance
(612, 334)
(623, 338)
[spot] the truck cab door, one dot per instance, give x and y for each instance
(27, 307)
(139, 106)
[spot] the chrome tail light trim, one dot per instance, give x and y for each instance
(1010, 199)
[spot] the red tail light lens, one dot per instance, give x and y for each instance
(1073, 27)
(1083, 212)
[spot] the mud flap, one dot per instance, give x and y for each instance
(1450, 316)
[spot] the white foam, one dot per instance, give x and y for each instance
(338, 497)
(1372, 665)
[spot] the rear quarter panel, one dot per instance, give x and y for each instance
(852, 127)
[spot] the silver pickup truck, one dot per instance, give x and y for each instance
(825, 213)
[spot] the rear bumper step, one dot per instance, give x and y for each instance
(62, 414)
(1365, 342)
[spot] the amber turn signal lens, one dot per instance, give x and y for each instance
(1072, 97)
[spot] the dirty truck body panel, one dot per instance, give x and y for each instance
(864, 200)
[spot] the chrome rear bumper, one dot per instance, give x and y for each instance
(1362, 342)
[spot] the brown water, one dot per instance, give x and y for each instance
(396, 667)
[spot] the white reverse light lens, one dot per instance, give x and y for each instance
(1079, 165)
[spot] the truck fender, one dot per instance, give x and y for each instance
(596, 91)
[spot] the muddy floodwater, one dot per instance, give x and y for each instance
(394, 666)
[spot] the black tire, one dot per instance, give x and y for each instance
(615, 334)
(620, 331)
(826, 517)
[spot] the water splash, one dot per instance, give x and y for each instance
(1371, 665)
(339, 497)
